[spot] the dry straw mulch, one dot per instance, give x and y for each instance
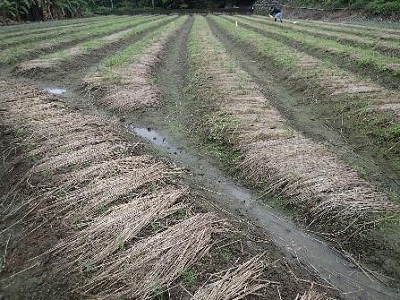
(312, 294)
(127, 220)
(278, 157)
(229, 286)
(67, 54)
(155, 261)
(107, 195)
(339, 82)
(129, 87)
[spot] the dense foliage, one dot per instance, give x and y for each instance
(42, 9)
(372, 6)
(18, 10)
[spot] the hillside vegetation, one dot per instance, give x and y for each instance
(376, 6)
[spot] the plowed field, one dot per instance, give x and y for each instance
(199, 157)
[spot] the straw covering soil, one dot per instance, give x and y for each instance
(85, 201)
(227, 287)
(306, 173)
(129, 87)
(117, 223)
(68, 181)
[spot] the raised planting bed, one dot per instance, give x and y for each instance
(20, 29)
(32, 49)
(391, 48)
(366, 61)
(50, 32)
(56, 59)
(325, 193)
(364, 112)
(368, 31)
(123, 81)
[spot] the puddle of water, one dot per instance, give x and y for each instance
(55, 90)
(306, 248)
(158, 140)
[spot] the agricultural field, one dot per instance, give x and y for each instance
(199, 157)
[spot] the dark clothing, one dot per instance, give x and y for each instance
(274, 10)
(276, 13)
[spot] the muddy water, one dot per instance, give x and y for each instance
(306, 248)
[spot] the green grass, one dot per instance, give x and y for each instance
(27, 27)
(226, 255)
(87, 47)
(157, 293)
(58, 31)
(373, 29)
(211, 133)
(132, 52)
(351, 56)
(390, 48)
(283, 55)
(189, 276)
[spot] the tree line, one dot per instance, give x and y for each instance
(36, 10)
(39, 10)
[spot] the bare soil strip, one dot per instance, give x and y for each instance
(99, 228)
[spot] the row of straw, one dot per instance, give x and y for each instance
(334, 80)
(108, 194)
(112, 35)
(129, 86)
(278, 157)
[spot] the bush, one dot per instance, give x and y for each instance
(383, 7)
